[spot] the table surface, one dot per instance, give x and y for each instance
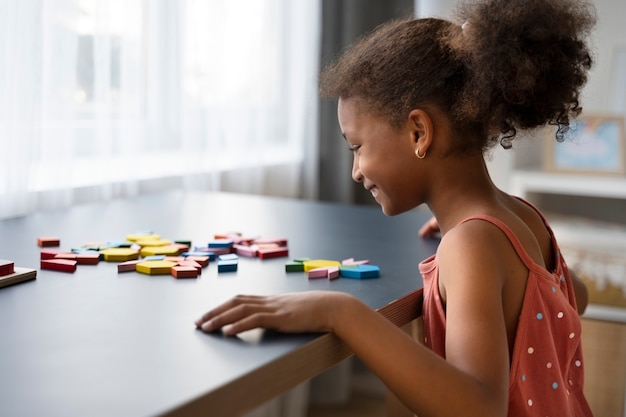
(96, 342)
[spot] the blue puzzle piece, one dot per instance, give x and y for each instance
(227, 265)
(211, 255)
(154, 258)
(221, 243)
(360, 271)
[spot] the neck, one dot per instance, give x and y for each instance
(463, 188)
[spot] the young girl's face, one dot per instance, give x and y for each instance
(384, 158)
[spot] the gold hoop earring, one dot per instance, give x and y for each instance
(417, 153)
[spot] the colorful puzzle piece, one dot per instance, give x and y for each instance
(199, 254)
(66, 255)
(351, 261)
(214, 250)
(191, 264)
(227, 263)
(182, 247)
(46, 241)
(154, 258)
(220, 243)
(63, 265)
(333, 272)
(319, 263)
(6, 267)
(275, 252)
(202, 260)
(119, 254)
(330, 272)
(249, 251)
(155, 267)
(184, 272)
(294, 266)
(167, 250)
(128, 266)
(360, 271)
(278, 241)
(142, 236)
(317, 273)
(153, 242)
(50, 253)
(88, 258)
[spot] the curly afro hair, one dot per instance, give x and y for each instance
(504, 66)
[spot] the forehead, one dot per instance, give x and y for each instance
(351, 114)
(354, 117)
(346, 109)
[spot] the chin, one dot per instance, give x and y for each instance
(390, 211)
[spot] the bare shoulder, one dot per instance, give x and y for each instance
(476, 250)
(473, 239)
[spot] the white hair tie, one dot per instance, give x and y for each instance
(464, 27)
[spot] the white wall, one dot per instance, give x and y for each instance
(610, 34)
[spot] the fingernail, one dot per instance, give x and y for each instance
(228, 329)
(208, 326)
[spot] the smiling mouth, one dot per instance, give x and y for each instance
(373, 190)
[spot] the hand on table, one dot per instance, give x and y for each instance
(430, 228)
(310, 311)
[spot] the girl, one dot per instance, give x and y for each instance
(420, 102)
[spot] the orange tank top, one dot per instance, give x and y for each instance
(546, 371)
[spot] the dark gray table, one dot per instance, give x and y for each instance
(99, 343)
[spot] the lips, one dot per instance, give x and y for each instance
(374, 190)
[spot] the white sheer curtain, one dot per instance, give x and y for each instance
(104, 99)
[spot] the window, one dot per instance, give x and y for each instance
(124, 90)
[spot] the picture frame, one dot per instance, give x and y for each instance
(594, 144)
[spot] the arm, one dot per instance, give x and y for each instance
(472, 381)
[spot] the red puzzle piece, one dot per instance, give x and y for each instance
(48, 241)
(64, 265)
(6, 267)
(184, 272)
(272, 252)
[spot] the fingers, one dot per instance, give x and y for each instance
(241, 308)
(430, 228)
(247, 323)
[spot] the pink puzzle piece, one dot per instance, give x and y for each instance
(317, 273)
(330, 272)
(128, 266)
(351, 261)
(333, 272)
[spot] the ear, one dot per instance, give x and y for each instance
(421, 127)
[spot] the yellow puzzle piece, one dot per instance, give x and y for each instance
(160, 250)
(319, 263)
(142, 236)
(155, 267)
(119, 254)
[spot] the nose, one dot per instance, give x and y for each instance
(357, 176)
